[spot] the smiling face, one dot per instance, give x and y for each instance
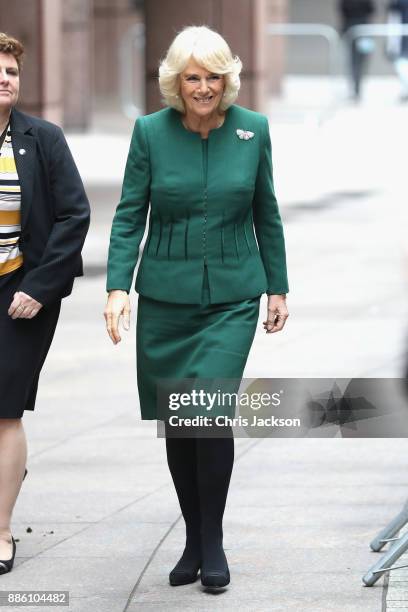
(201, 90)
(9, 81)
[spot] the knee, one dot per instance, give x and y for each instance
(10, 424)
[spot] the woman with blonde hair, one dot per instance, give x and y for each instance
(204, 166)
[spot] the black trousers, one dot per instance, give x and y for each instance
(357, 60)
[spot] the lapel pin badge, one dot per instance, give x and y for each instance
(22, 151)
(244, 134)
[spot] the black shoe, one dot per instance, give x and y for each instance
(178, 577)
(215, 579)
(7, 566)
(185, 572)
(214, 570)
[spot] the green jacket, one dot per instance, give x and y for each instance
(206, 197)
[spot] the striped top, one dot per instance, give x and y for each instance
(10, 210)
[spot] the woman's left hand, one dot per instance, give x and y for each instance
(277, 314)
(23, 306)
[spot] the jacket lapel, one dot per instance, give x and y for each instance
(24, 149)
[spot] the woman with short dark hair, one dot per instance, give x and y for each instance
(44, 218)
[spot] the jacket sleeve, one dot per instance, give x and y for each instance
(129, 221)
(267, 221)
(61, 259)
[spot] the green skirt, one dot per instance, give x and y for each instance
(180, 341)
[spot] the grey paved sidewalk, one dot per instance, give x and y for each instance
(397, 592)
(98, 496)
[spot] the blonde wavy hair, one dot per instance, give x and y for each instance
(210, 50)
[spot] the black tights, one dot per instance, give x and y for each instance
(201, 470)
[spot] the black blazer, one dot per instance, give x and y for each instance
(55, 210)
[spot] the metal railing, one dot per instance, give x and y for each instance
(133, 46)
(329, 34)
(332, 38)
(377, 30)
(398, 547)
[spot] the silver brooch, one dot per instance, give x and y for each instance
(244, 134)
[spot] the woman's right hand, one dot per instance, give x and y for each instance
(118, 305)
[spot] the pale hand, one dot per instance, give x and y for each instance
(118, 306)
(276, 315)
(23, 306)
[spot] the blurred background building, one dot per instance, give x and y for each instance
(340, 178)
(76, 55)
